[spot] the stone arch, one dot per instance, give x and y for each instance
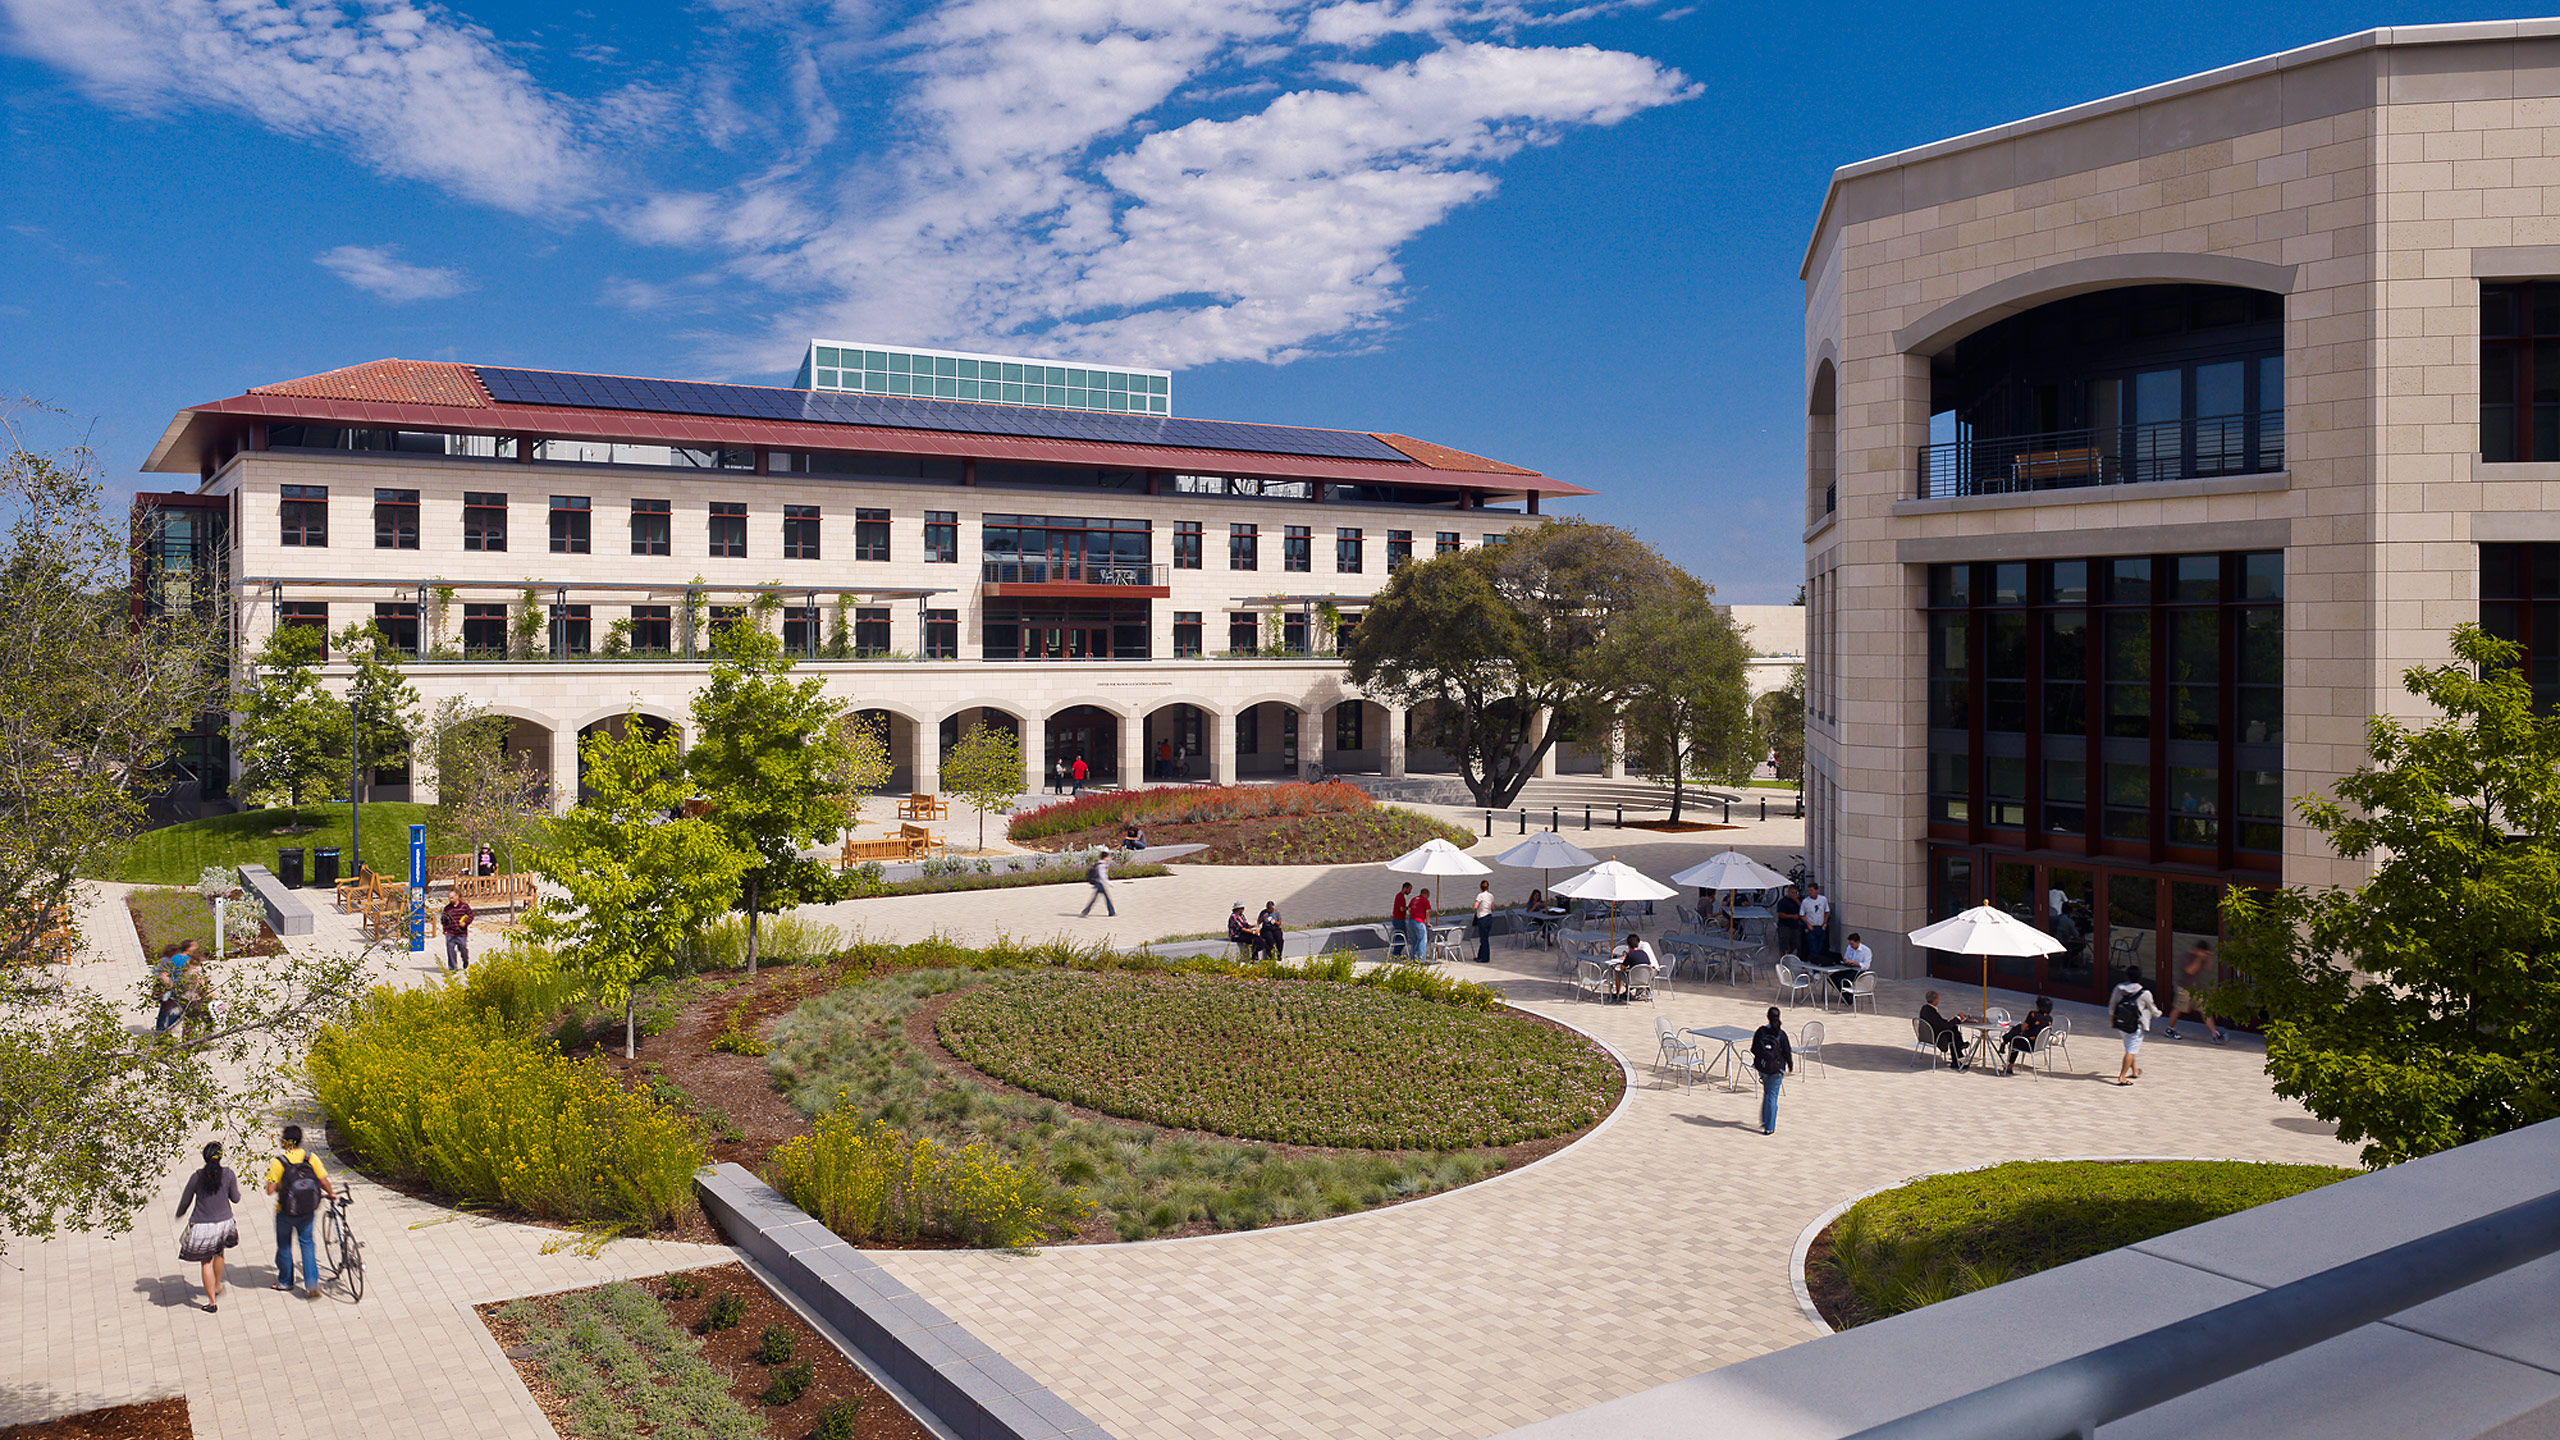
(1822, 441)
(2017, 294)
(1178, 731)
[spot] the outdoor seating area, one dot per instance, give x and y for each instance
(921, 806)
(912, 842)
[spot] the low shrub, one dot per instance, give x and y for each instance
(733, 1038)
(957, 874)
(773, 1347)
(839, 1421)
(433, 1086)
(1185, 804)
(682, 1287)
(622, 1368)
(780, 939)
(789, 1384)
(725, 1310)
(869, 1182)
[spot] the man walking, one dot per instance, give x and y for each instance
(2129, 1009)
(1816, 911)
(2194, 973)
(1076, 773)
(1099, 875)
(1773, 1057)
(456, 918)
(1484, 922)
(1398, 915)
(299, 1182)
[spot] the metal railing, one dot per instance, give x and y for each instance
(2104, 455)
(1070, 572)
(2070, 1399)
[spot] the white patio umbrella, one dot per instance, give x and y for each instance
(1613, 881)
(1985, 931)
(1437, 857)
(1543, 852)
(1730, 870)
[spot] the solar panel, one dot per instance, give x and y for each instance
(898, 412)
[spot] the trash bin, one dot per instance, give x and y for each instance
(324, 867)
(289, 867)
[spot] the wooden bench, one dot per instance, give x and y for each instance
(352, 893)
(441, 868)
(2081, 463)
(857, 852)
(482, 892)
(921, 806)
(921, 842)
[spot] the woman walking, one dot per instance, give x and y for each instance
(211, 1192)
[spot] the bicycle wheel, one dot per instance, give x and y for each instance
(333, 1233)
(351, 1263)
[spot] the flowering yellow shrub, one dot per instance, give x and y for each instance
(868, 1182)
(432, 1087)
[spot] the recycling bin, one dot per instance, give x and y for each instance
(324, 867)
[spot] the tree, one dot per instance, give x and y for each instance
(2420, 1010)
(769, 754)
(635, 882)
(985, 769)
(91, 1113)
(1778, 720)
(1679, 663)
(290, 737)
(1500, 633)
(383, 703)
(484, 792)
(866, 763)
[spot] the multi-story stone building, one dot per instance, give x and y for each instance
(1124, 588)
(2148, 443)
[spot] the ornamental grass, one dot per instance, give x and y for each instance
(870, 1182)
(1291, 1061)
(1189, 804)
(451, 1087)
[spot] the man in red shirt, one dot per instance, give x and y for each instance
(1077, 774)
(456, 918)
(1397, 917)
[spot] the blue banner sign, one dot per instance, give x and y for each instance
(417, 888)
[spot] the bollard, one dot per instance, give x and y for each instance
(1622, 817)
(1555, 818)
(1799, 807)
(1488, 824)
(1728, 812)
(1524, 822)
(1586, 817)
(1764, 807)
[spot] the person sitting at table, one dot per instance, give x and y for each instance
(1268, 933)
(1943, 1029)
(1240, 931)
(1537, 902)
(1634, 952)
(1855, 960)
(2020, 1038)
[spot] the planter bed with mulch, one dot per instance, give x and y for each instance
(686, 1355)
(150, 1420)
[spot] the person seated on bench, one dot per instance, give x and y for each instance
(1268, 934)
(1240, 930)
(1133, 836)
(1949, 1036)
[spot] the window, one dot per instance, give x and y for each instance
(484, 521)
(871, 630)
(1297, 548)
(1244, 630)
(1186, 634)
(801, 629)
(484, 630)
(572, 629)
(942, 537)
(304, 513)
(395, 519)
(723, 618)
(1064, 549)
(1495, 539)
(653, 630)
(306, 615)
(652, 528)
(2520, 603)
(1399, 550)
(1446, 543)
(2520, 371)
(570, 519)
(729, 529)
(1346, 554)
(1244, 547)
(398, 622)
(1346, 726)
(1293, 632)
(800, 532)
(1186, 545)
(942, 634)
(870, 534)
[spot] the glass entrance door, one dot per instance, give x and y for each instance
(1066, 642)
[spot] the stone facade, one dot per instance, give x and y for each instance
(2373, 182)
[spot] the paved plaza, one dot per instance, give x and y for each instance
(1656, 1247)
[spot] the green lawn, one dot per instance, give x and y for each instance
(178, 854)
(1937, 1238)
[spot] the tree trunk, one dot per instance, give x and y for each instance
(630, 1026)
(751, 927)
(1679, 774)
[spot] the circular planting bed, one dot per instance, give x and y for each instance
(1297, 823)
(1292, 1062)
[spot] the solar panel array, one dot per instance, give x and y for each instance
(759, 402)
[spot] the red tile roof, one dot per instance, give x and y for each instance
(400, 382)
(1441, 457)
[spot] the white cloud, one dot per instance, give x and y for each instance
(376, 270)
(411, 91)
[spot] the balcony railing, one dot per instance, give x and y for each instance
(1070, 572)
(2106, 455)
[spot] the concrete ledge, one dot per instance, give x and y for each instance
(952, 1373)
(286, 914)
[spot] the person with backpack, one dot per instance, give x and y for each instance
(299, 1182)
(1098, 875)
(2129, 1009)
(1773, 1057)
(211, 1230)
(174, 981)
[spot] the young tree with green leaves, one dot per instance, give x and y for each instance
(2421, 1010)
(1679, 664)
(289, 736)
(1778, 719)
(769, 754)
(866, 763)
(635, 883)
(484, 792)
(985, 769)
(383, 704)
(94, 1108)
(1499, 633)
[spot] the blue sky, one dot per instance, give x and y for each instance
(1561, 234)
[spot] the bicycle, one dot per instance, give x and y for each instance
(338, 1238)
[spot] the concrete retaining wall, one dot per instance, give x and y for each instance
(286, 914)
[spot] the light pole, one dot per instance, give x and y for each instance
(355, 786)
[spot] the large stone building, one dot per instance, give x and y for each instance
(1115, 587)
(2148, 443)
